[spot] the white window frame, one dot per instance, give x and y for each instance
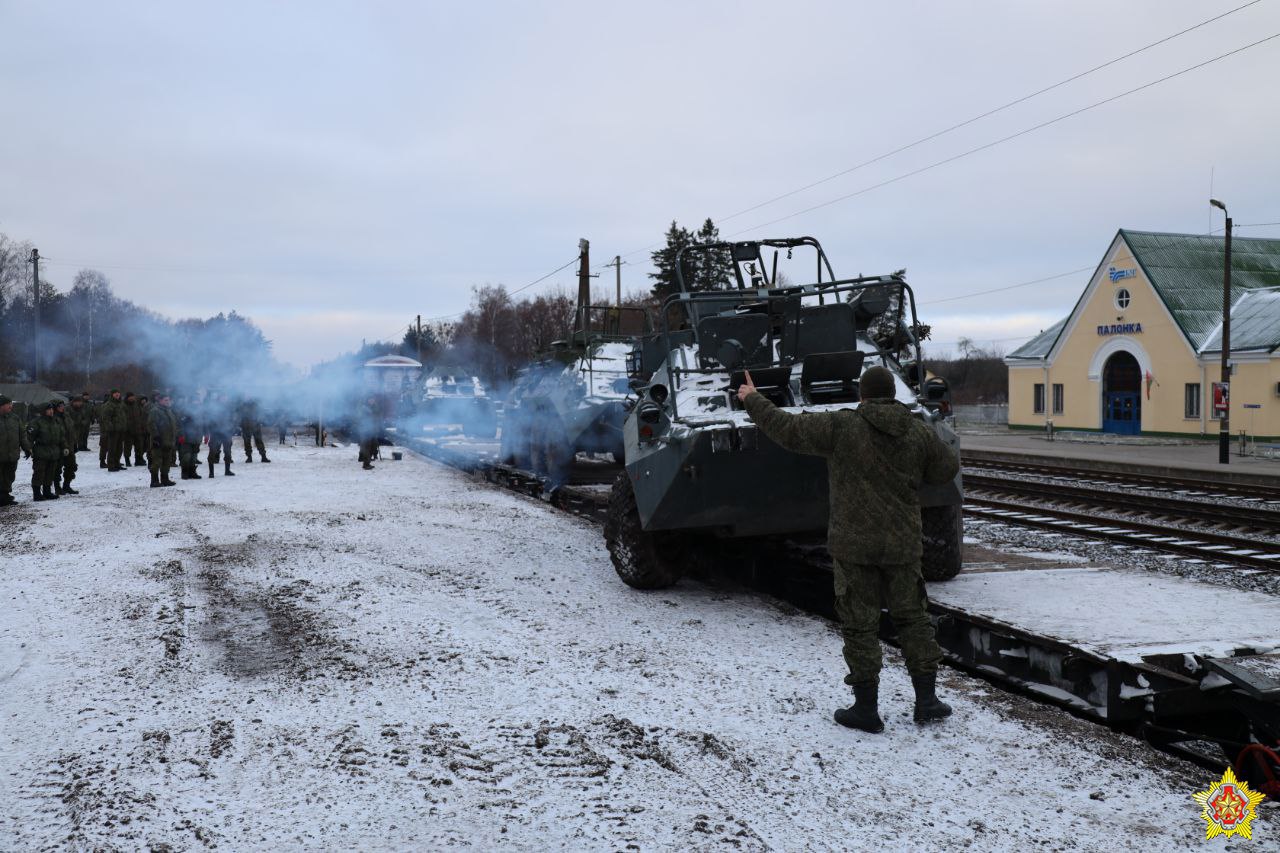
(1037, 399)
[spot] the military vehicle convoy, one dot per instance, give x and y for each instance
(695, 465)
(574, 399)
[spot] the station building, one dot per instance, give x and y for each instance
(1141, 351)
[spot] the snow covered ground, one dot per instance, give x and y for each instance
(313, 656)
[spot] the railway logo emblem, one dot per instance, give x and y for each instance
(1228, 807)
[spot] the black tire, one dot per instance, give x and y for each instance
(943, 535)
(643, 560)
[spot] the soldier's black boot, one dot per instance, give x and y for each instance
(929, 707)
(210, 469)
(36, 494)
(66, 488)
(226, 469)
(165, 481)
(264, 458)
(864, 713)
(155, 479)
(183, 472)
(195, 472)
(50, 493)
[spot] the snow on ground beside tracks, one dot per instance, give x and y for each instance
(313, 656)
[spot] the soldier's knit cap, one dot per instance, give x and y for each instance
(876, 383)
(57, 403)
(113, 391)
(49, 405)
(4, 400)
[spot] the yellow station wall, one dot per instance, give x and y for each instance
(1159, 348)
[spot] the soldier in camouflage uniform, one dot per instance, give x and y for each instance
(114, 424)
(163, 428)
(82, 413)
(13, 440)
(877, 457)
(68, 467)
(48, 447)
(190, 434)
(219, 427)
(142, 438)
(251, 430)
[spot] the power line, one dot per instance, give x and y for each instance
(967, 122)
(520, 289)
(986, 114)
(1008, 138)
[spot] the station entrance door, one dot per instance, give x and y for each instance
(1122, 395)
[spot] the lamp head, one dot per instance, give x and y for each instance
(1215, 203)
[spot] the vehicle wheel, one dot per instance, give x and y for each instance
(943, 533)
(643, 560)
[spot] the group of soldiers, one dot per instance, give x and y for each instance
(133, 431)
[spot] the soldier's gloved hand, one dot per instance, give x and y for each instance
(65, 452)
(26, 455)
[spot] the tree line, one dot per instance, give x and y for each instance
(90, 339)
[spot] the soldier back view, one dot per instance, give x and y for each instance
(163, 427)
(114, 422)
(877, 458)
(220, 427)
(251, 430)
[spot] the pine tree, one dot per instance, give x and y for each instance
(715, 269)
(664, 259)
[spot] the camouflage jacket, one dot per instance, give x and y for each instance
(81, 417)
(135, 417)
(877, 458)
(70, 434)
(163, 426)
(13, 437)
(45, 434)
(112, 416)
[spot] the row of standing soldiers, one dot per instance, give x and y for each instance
(154, 434)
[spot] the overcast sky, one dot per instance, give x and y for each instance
(332, 170)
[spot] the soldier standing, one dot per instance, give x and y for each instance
(141, 438)
(189, 435)
(70, 442)
(13, 440)
(163, 427)
(877, 458)
(370, 426)
(48, 447)
(132, 417)
(114, 424)
(98, 409)
(82, 411)
(219, 428)
(251, 430)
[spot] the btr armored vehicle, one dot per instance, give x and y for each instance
(460, 400)
(575, 398)
(697, 467)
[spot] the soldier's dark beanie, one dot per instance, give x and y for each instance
(877, 382)
(4, 401)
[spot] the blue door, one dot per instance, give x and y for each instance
(1122, 413)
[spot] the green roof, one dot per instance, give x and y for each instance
(1186, 271)
(1039, 346)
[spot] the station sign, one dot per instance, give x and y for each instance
(1121, 329)
(1253, 405)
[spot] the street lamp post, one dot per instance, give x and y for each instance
(1224, 428)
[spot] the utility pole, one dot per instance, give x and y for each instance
(419, 339)
(1224, 428)
(584, 284)
(617, 263)
(35, 312)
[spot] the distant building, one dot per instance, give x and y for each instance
(1141, 350)
(391, 374)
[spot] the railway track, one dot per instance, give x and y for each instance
(1168, 523)
(1185, 485)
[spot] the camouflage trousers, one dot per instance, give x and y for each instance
(860, 592)
(252, 434)
(8, 473)
(189, 454)
(161, 460)
(44, 473)
(69, 468)
(219, 443)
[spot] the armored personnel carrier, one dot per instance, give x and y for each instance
(457, 399)
(574, 399)
(696, 467)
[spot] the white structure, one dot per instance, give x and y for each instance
(391, 374)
